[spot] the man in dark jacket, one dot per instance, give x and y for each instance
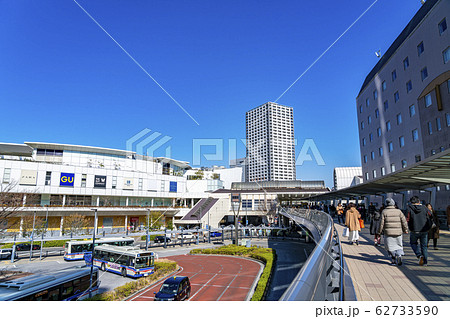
(417, 217)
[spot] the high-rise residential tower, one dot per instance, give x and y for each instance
(270, 143)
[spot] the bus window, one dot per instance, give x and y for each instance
(67, 290)
(53, 295)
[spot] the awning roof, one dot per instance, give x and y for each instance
(424, 174)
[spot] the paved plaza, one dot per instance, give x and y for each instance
(374, 278)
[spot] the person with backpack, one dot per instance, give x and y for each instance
(375, 227)
(393, 224)
(419, 223)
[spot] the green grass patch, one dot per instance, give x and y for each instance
(265, 255)
(163, 267)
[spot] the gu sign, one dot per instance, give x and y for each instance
(67, 179)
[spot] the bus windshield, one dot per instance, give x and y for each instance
(142, 262)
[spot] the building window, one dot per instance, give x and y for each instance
(447, 118)
(369, 119)
(399, 118)
(438, 124)
(386, 105)
(408, 86)
(6, 175)
(418, 158)
(114, 182)
(424, 73)
(367, 176)
(362, 125)
(48, 178)
(365, 158)
(375, 94)
(374, 173)
(394, 75)
(446, 55)
(396, 97)
(428, 100)
(415, 135)
(370, 137)
(83, 180)
(420, 48)
(383, 171)
(433, 152)
(377, 113)
(390, 146)
(392, 168)
(367, 102)
(442, 26)
(430, 128)
(404, 163)
(401, 141)
(388, 126)
(379, 131)
(383, 86)
(372, 155)
(380, 151)
(412, 110)
(405, 63)
(364, 142)
(140, 185)
(360, 109)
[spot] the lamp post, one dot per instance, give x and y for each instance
(32, 235)
(42, 236)
(92, 254)
(146, 238)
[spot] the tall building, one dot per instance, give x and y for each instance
(270, 143)
(403, 106)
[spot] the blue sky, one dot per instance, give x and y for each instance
(63, 80)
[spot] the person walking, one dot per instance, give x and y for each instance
(352, 217)
(418, 223)
(393, 224)
(340, 213)
(433, 233)
(375, 227)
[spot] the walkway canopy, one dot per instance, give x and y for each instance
(428, 173)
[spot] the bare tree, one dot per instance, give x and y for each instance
(10, 203)
(75, 224)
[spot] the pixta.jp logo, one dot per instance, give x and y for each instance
(147, 142)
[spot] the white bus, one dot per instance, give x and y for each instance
(126, 261)
(74, 250)
(69, 284)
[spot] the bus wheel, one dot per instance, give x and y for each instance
(103, 267)
(124, 272)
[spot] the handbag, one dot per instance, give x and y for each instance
(361, 223)
(345, 233)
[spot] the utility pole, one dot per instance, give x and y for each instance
(236, 199)
(92, 254)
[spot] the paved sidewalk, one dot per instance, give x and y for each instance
(374, 278)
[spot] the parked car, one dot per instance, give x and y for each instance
(160, 239)
(186, 236)
(25, 247)
(216, 234)
(5, 253)
(174, 288)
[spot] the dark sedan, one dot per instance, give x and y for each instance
(26, 247)
(160, 239)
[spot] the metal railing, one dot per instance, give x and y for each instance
(322, 276)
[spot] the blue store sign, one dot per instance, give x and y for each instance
(67, 179)
(173, 187)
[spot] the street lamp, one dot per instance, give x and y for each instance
(92, 253)
(148, 220)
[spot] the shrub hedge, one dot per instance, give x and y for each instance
(163, 267)
(49, 243)
(265, 255)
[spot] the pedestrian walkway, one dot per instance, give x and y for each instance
(375, 279)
